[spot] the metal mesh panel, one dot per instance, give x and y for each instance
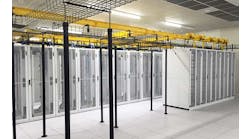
(20, 82)
(193, 68)
(60, 79)
(105, 76)
(209, 75)
(157, 88)
(36, 80)
(198, 78)
(134, 76)
(222, 75)
(87, 78)
(204, 76)
(49, 81)
(218, 75)
(230, 75)
(226, 74)
(146, 78)
(233, 78)
(213, 76)
(121, 76)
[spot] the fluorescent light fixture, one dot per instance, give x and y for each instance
(172, 24)
(34, 39)
(125, 14)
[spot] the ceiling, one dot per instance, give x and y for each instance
(154, 12)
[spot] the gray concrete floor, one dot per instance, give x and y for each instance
(135, 121)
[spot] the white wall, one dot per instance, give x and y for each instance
(232, 34)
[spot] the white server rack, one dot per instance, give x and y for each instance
(199, 77)
(133, 79)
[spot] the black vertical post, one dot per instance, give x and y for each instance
(13, 93)
(101, 88)
(111, 113)
(151, 82)
(166, 80)
(66, 79)
(116, 126)
(44, 95)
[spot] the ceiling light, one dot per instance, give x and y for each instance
(125, 14)
(172, 24)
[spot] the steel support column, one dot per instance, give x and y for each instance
(101, 87)
(151, 82)
(166, 80)
(66, 79)
(13, 93)
(116, 126)
(111, 113)
(44, 95)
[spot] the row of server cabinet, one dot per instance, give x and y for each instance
(200, 77)
(133, 79)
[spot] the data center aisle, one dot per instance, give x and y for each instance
(135, 121)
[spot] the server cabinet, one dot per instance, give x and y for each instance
(227, 55)
(230, 85)
(134, 75)
(60, 79)
(36, 80)
(233, 74)
(204, 76)
(105, 77)
(157, 74)
(218, 75)
(193, 77)
(49, 76)
(222, 75)
(198, 77)
(209, 75)
(87, 73)
(21, 82)
(213, 83)
(146, 74)
(122, 76)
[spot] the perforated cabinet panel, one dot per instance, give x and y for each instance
(198, 78)
(218, 76)
(226, 74)
(105, 79)
(36, 80)
(20, 61)
(157, 74)
(233, 74)
(209, 76)
(213, 75)
(87, 78)
(121, 76)
(230, 74)
(204, 76)
(134, 75)
(48, 53)
(222, 76)
(60, 79)
(193, 69)
(146, 75)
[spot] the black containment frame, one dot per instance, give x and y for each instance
(13, 94)
(101, 88)
(116, 126)
(111, 113)
(44, 95)
(151, 82)
(166, 80)
(66, 79)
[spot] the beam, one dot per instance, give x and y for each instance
(44, 93)
(13, 93)
(111, 112)
(66, 79)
